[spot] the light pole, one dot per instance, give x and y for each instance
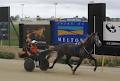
(55, 8)
(22, 9)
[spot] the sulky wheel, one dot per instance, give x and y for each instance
(44, 64)
(29, 65)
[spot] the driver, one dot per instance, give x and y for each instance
(34, 51)
(33, 47)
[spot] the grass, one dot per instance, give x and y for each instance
(7, 55)
(14, 41)
(110, 61)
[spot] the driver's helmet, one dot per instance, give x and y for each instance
(34, 41)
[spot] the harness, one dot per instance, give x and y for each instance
(89, 51)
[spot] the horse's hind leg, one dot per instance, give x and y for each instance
(67, 61)
(53, 63)
(48, 57)
(58, 57)
(95, 61)
(79, 62)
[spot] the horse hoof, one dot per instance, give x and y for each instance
(94, 69)
(50, 67)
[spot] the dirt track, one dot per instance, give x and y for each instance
(12, 70)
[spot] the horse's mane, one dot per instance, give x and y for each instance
(89, 39)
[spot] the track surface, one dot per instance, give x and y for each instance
(12, 70)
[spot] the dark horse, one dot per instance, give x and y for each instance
(82, 51)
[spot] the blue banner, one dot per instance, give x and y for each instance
(68, 31)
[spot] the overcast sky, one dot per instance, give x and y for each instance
(65, 8)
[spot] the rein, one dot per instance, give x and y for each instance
(89, 39)
(87, 50)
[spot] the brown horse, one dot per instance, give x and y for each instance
(82, 51)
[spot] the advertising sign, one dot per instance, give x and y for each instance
(68, 31)
(4, 23)
(34, 32)
(111, 33)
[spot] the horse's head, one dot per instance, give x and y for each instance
(96, 40)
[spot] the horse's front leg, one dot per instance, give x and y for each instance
(95, 61)
(79, 62)
(67, 61)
